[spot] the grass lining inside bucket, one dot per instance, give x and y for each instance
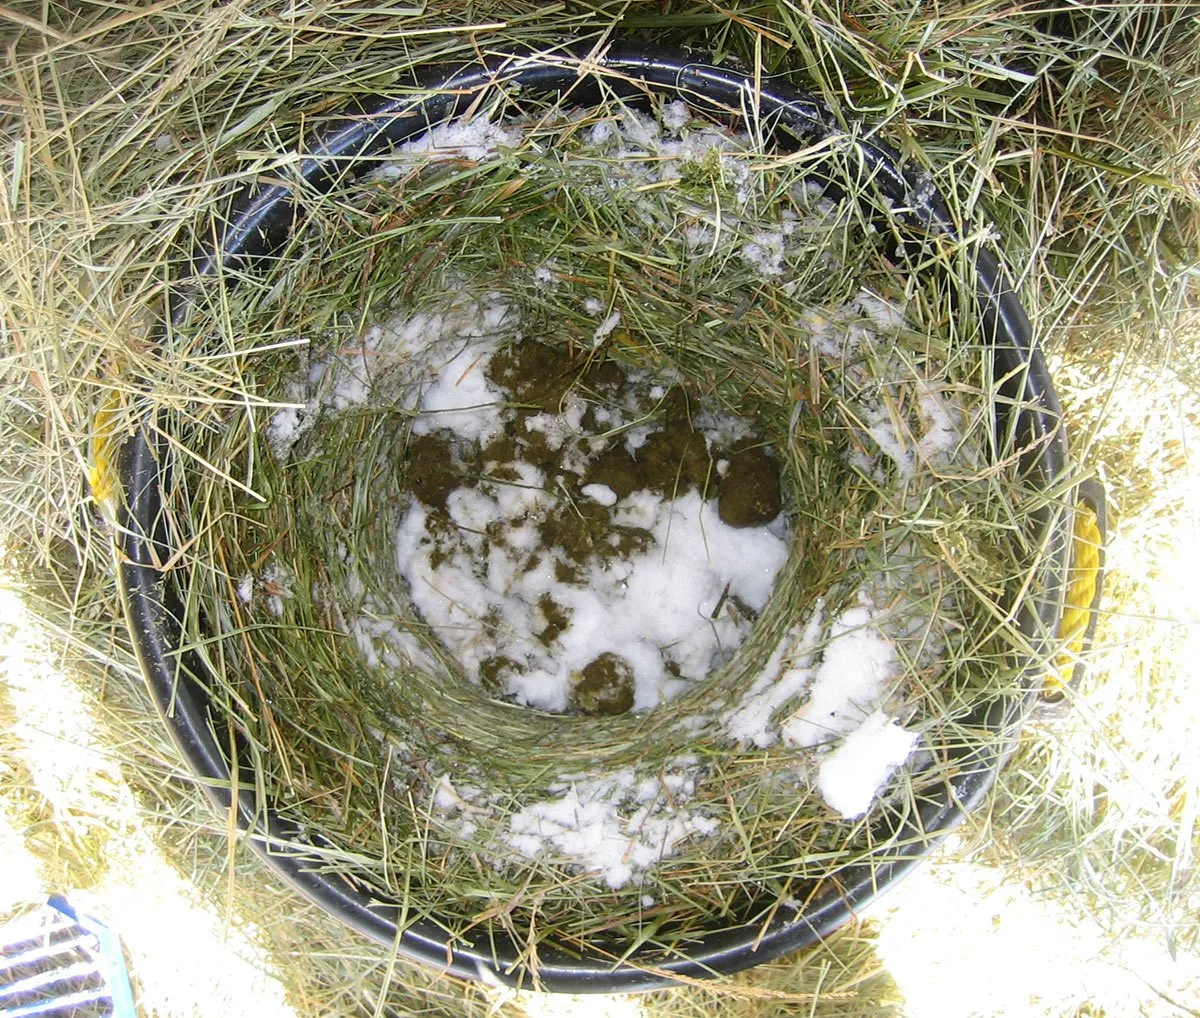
(322, 726)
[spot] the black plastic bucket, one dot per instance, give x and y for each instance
(262, 220)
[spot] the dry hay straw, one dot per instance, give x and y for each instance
(130, 125)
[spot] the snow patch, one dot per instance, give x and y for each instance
(471, 138)
(765, 253)
(676, 116)
(848, 694)
(434, 360)
(616, 825)
(650, 608)
(601, 493)
(851, 775)
(857, 673)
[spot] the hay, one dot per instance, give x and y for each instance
(94, 204)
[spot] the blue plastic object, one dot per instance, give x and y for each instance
(58, 961)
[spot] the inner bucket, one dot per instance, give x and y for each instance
(262, 223)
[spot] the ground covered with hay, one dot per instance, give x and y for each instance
(1068, 134)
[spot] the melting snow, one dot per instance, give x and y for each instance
(473, 139)
(652, 609)
(851, 775)
(432, 358)
(848, 694)
(617, 824)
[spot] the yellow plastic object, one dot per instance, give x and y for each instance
(1081, 592)
(102, 450)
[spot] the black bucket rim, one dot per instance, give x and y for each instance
(259, 221)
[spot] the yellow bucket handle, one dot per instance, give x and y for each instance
(1084, 588)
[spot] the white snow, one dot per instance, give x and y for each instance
(909, 422)
(942, 421)
(283, 431)
(849, 693)
(601, 493)
(856, 675)
(699, 235)
(676, 116)
(433, 359)
(612, 824)
(616, 823)
(765, 252)
(460, 397)
(639, 129)
(472, 138)
(650, 608)
(785, 676)
(245, 588)
(639, 152)
(884, 316)
(851, 775)
(385, 640)
(276, 582)
(601, 133)
(929, 438)
(559, 427)
(444, 795)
